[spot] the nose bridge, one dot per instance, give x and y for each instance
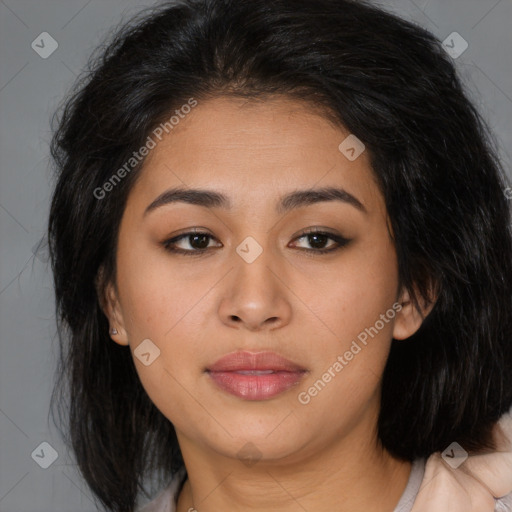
(253, 262)
(254, 294)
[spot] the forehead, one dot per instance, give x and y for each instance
(255, 150)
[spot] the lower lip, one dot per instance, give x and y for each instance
(256, 387)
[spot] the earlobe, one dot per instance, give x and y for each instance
(408, 320)
(109, 303)
(115, 316)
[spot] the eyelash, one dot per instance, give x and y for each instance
(168, 244)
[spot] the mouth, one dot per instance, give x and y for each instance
(255, 376)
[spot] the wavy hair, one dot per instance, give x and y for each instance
(386, 80)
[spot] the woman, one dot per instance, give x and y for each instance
(283, 264)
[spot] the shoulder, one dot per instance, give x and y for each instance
(476, 483)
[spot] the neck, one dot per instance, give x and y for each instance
(350, 475)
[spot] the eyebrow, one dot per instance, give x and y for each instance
(296, 199)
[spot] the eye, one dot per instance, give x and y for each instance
(197, 240)
(318, 239)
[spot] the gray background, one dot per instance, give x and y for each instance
(30, 89)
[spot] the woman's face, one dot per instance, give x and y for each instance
(252, 285)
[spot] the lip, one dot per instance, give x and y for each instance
(255, 376)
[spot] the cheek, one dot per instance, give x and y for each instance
(358, 290)
(156, 293)
(356, 307)
(349, 373)
(168, 390)
(162, 305)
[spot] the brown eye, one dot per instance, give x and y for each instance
(197, 241)
(318, 239)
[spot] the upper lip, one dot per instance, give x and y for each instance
(245, 361)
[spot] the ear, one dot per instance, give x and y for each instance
(408, 320)
(108, 297)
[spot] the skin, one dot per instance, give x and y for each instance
(321, 456)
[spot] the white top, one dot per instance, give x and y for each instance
(166, 501)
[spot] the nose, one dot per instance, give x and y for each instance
(255, 295)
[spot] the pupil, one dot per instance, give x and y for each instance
(202, 238)
(320, 240)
